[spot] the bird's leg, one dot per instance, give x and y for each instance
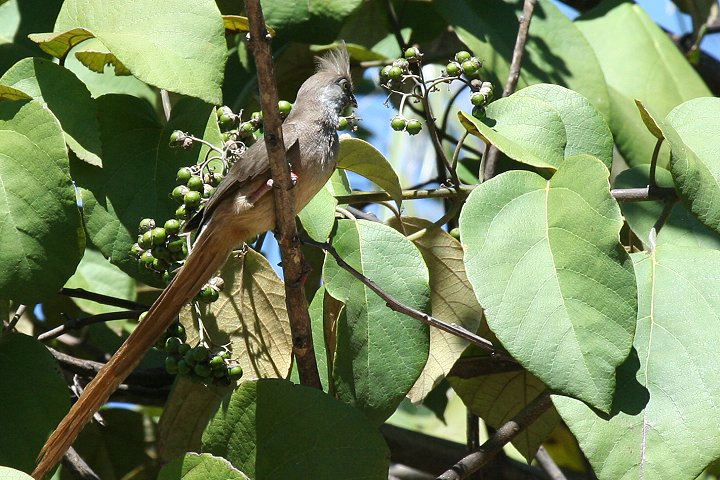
(267, 186)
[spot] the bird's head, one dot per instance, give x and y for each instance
(330, 89)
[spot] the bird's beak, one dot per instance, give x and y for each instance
(353, 100)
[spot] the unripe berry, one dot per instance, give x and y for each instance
(183, 368)
(176, 136)
(200, 353)
(172, 227)
(455, 233)
(477, 98)
(175, 244)
(395, 73)
(145, 240)
(478, 112)
(256, 118)
(235, 372)
(217, 363)
(215, 179)
(226, 121)
(183, 175)
(158, 236)
(136, 250)
(462, 55)
(208, 294)
(224, 110)
(342, 124)
(201, 370)
(247, 128)
(401, 63)
(453, 69)
(171, 364)
(177, 330)
(413, 127)
(179, 192)
(184, 349)
(398, 123)
(147, 258)
(195, 183)
(146, 224)
(181, 213)
(411, 52)
(172, 344)
(469, 67)
(385, 72)
(192, 199)
(285, 107)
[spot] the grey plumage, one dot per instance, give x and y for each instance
(229, 218)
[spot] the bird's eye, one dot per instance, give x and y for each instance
(345, 84)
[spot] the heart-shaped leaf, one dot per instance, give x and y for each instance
(557, 286)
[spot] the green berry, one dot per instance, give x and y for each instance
(402, 63)
(477, 98)
(226, 354)
(462, 55)
(256, 118)
(235, 372)
(171, 364)
(215, 179)
(285, 107)
(398, 123)
(175, 244)
(247, 128)
(192, 199)
(172, 227)
(177, 330)
(136, 250)
(412, 52)
(224, 110)
(478, 112)
(183, 368)
(343, 124)
(181, 213)
(158, 236)
(147, 258)
(195, 183)
(202, 370)
(179, 192)
(226, 121)
(161, 252)
(160, 265)
(175, 136)
(470, 68)
(208, 191)
(413, 127)
(208, 294)
(146, 224)
(142, 316)
(183, 175)
(395, 73)
(453, 69)
(172, 344)
(455, 233)
(200, 353)
(385, 72)
(217, 362)
(183, 349)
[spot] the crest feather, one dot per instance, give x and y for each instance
(336, 61)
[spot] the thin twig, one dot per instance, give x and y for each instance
(549, 465)
(291, 253)
(515, 66)
(15, 319)
(104, 299)
(75, 464)
(75, 324)
(399, 307)
(622, 195)
(502, 437)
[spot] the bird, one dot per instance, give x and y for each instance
(240, 209)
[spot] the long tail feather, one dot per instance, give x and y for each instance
(209, 253)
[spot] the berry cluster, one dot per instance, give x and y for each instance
(198, 363)
(464, 63)
(160, 249)
(394, 75)
(480, 99)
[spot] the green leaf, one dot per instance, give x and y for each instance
(666, 408)
(639, 61)
(66, 97)
(557, 286)
(691, 129)
(498, 398)
(9, 93)
(41, 236)
(250, 316)
(200, 466)
(187, 412)
(542, 125)
(171, 44)
(451, 297)
(254, 428)
(318, 216)
(138, 172)
(314, 22)
(651, 123)
(380, 353)
(7, 473)
(325, 312)
(680, 228)
(362, 158)
(96, 274)
(35, 398)
(556, 51)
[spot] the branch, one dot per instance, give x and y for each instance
(396, 306)
(549, 465)
(104, 299)
(515, 65)
(75, 324)
(284, 196)
(621, 195)
(502, 436)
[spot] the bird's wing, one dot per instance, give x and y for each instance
(254, 164)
